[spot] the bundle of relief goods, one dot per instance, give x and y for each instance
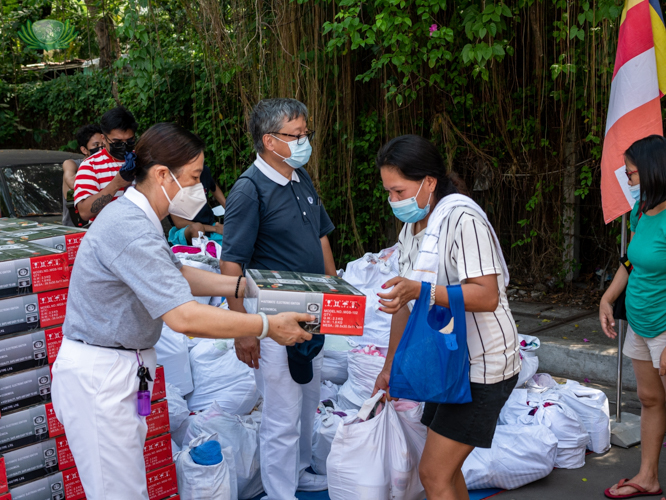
(367, 275)
(364, 365)
(520, 454)
(326, 424)
(334, 368)
(376, 453)
(531, 408)
(202, 471)
(241, 434)
(530, 361)
(219, 376)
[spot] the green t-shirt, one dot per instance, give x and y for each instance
(633, 217)
(646, 291)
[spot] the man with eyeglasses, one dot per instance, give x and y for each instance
(98, 182)
(275, 221)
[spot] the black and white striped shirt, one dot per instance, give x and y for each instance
(467, 250)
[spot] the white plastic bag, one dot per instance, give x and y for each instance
(529, 366)
(328, 390)
(591, 405)
(520, 454)
(335, 350)
(368, 274)
(178, 410)
(239, 433)
(541, 382)
(202, 482)
(528, 345)
(363, 370)
(172, 353)
(325, 426)
(372, 459)
(220, 376)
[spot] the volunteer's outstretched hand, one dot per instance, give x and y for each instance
(285, 330)
(382, 383)
(404, 290)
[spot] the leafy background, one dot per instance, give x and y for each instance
(513, 93)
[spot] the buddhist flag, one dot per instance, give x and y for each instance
(634, 111)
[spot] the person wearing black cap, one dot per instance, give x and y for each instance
(275, 221)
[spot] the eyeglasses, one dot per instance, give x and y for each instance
(300, 139)
(629, 174)
(130, 143)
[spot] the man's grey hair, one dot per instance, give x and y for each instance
(269, 115)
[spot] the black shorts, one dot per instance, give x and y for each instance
(471, 423)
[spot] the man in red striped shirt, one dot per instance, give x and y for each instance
(97, 181)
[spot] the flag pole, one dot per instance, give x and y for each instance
(620, 333)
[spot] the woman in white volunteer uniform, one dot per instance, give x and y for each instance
(126, 282)
(466, 252)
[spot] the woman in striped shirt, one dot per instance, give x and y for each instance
(413, 173)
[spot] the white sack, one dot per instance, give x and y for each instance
(529, 366)
(202, 482)
(520, 454)
(220, 376)
(591, 405)
(375, 459)
(528, 344)
(325, 426)
(178, 410)
(532, 408)
(368, 274)
(541, 382)
(172, 353)
(363, 370)
(335, 358)
(328, 390)
(239, 433)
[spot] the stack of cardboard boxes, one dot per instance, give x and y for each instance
(35, 460)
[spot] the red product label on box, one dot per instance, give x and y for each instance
(53, 342)
(157, 452)
(343, 315)
(4, 487)
(158, 420)
(159, 386)
(49, 272)
(73, 242)
(55, 427)
(73, 486)
(162, 482)
(65, 457)
(8, 496)
(52, 307)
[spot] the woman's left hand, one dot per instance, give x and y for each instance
(662, 363)
(404, 290)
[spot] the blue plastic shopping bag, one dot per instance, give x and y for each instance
(429, 365)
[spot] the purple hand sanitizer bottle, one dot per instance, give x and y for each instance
(143, 398)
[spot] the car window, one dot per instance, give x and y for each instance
(35, 189)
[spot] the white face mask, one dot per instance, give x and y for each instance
(300, 153)
(188, 201)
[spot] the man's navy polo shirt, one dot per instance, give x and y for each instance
(273, 223)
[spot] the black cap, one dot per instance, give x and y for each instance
(300, 358)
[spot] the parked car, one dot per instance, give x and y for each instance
(31, 183)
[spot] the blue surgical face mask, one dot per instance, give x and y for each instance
(408, 210)
(635, 191)
(300, 153)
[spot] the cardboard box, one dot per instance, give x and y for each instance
(23, 351)
(30, 268)
(24, 389)
(29, 426)
(162, 483)
(62, 238)
(159, 384)
(30, 312)
(158, 420)
(9, 223)
(35, 461)
(339, 308)
(59, 486)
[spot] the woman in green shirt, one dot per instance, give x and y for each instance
(645, 343)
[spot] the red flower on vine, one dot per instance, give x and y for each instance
(433, 28)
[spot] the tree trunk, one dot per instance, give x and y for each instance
(569, 212)
(108, 51)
